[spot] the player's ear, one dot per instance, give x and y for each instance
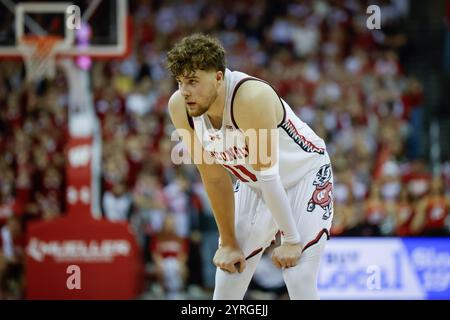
(219, 76)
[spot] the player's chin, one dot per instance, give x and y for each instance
(195, 112)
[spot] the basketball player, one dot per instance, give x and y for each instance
(290, 194)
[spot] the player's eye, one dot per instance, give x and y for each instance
(192, 81)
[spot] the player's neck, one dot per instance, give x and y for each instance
(215, 112)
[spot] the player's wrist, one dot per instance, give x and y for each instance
(229, 242)
(290, 239)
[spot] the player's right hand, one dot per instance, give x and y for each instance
(229, 259)
(286, 255)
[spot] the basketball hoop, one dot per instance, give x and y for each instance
(39, 53)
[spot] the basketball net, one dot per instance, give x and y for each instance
(38, 53)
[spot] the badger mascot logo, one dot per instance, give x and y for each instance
(323, 195)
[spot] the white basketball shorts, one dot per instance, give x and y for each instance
(311, 200)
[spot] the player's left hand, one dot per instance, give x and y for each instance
(286, 255)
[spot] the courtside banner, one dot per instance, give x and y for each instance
(79, 258)
(385, 268)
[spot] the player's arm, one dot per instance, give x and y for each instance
(257, 107)
(218, 186)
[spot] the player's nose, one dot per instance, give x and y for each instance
(185, 93)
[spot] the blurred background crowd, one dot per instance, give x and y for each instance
(352, 85)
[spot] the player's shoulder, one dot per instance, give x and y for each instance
(176, 106)
(177, 110)
(253, 89)
(176, 102)
(254, 97)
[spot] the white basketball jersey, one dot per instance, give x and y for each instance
(300, 149)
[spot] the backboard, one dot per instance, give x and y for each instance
(107, 19)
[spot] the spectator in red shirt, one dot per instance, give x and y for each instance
(433, 211)
(170, 253)
(403, 212)
(417, 179)
(374, 210)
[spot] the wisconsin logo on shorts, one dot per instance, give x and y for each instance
(323, 195)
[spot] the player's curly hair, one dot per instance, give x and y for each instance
(196, 52)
